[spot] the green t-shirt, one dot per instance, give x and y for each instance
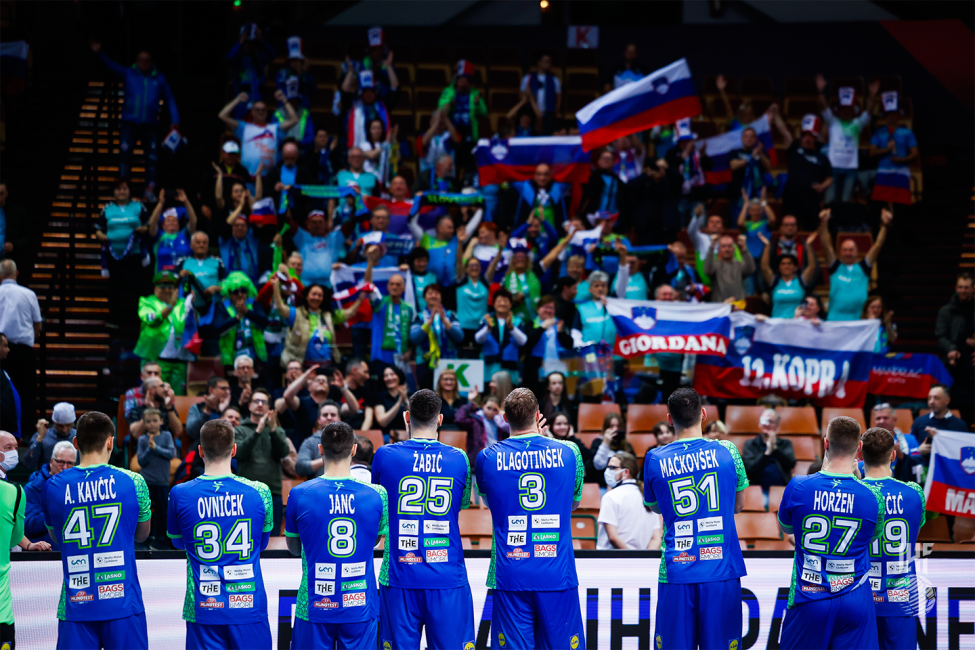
(13, 505)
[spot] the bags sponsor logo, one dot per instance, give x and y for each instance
(711, 553)
(839, 582)
(684, 557)
(238, 572)
(839, 566)
(110, 576)
(103, 560)
(876, 570)
(324, 571)
(518, 522)
(82, 597)
(898, 595)
(812, 563)
(212, 603)
(517, 539)
(898, 567)
(409, 543)
(709, 539)
(111, 591)
(354, 569)
(518, 554)
(325, 603)
(324, 588)
(437, 555)
(683, 543)
(436, 541)
(238, 587)
(545, 537)
(813, 589)
(710, 523)
(77, 563)
(898, 583)
(357, 599)
(209, 573)
(808, 575)
(546, 521)
(210, 588)
(353, 584)
(437, 527)
(409, 527)
(410, 558)
(876, 584)
(79, 581)
(683, 528)
(241, 601)
(546, 550)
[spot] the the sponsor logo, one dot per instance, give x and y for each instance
(839, 566)
(353, 584)
(898, 595)
(501, 640)
(409, 543)
(325, 603)
(82, 597)
(79, 581)
(210, 588)
(324, 588)
(241, 601)
(839, 582)
(437, 555)
(325, 571)
(660, 642)
(111, 591)
(898, 583)
(710, 523)
(212, 603)
(545, 521)
(684, 557)
(238, 572)
(387, 645)
(711, 553)
(812, 563)
(808, 575)
(546, 550)
(436, 541)
(876, 570)
(574, 642)
(898, 567)
(437, 527)
(77, 563)
(410, 558)
(409, 527)
(813, 589)
(237, 587)
(469, 645)
(354, 569)
(209, 573)
(109, 576)
(545, 537)
(733, 645)
(709, 539)
(517, 522)
(683, 528)
(517, 539)
(518, 554)
(103, 560)
(876, 584)
(357, 599)
(683, 543)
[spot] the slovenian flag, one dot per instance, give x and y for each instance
(262, 213)
(662, 97)
(392, 244)
(719, 148)
(950, 485)
(500, 161)
(893, 185)
(648, 326)
(348, 281)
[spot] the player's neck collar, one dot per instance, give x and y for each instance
(423, 439)
(825, 473)
(336, 478)
(531, 434)
(213, 477)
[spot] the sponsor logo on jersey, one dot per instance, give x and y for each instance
(546, 550)
(111, 591)
(876, 569)
(353, 569)
(209, 573)
(545, 521)
(357, 599)
(241, 601)
(518, 554)
(711, 552)
(79, 581)
(409, 543)
(436, 527)
(237, 587)
(325, 603)
(839, 582)
(387, 645)
(353, 584)
(210, 588)
(324, 588)
(733, 645)
(898, 595)
(517, 522)
(103, 560)
(710, 523)
(238, 572)
(501, 640)
(684, 557)
(660, 642)
(898, 583)
(574, 642)
(812, 563)
(109, 576)
(683, 543)
(469, 645)
(77, 563)
(212, 603)
(436, 555)
(878, 598)
(409, 527)
(517, 539)
(814, 589)
(410, 558)
(683, 528)
(709, 539)
(840, 566)
(436, 541)
(324, 571)
(545, 537)
(898, 567)
(82, 597)
(876, 584)
(809, 575)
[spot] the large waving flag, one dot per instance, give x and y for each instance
(662, 97)
(649, 326)
(719, 148)
(500, 161)
(828, 363)
(950, 486)
(348, 281)
(893, 185)
(907, 374)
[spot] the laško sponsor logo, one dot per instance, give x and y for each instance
(109, 576)
(325, 603)
(545, 537)
(437, 555)
(236, 587)
(684, 557)
(82, 597)
(704, 540)
(410, 558)
(518, 553)
(357, 599)
(546, 550)
(212, 603)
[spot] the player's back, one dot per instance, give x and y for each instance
(95, 510)
(834, 518)
(430, 483)
(224, 523)
(338, 521)
(694, 483)
(893, 579)
(531, 483)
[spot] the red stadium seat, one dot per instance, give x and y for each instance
(743, 419)
(797, 420)
(476, 525)
(642, 418)
(801, 468)
(588, 437)
(584, 529)
(775, 497)
(754, 499)
(935, 530)
(642, 443)
(375, 437)
(805, 447)
(829, 413)
(456, 439)
(591, 416)
(739, 441)
(757, 525)
(591, 498)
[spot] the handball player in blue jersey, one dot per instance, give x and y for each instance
(835, 517)
(224, 522)
(893, 579)
(423, 579)
(97, 513)
(697, 485)
(532, 484)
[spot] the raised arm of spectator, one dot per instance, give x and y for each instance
(709, 263)
(553, 255)
(454, 134)
(825, 236)
(391, 71)
(350, 311)
(872, 89)
(258, 182)
(743, 214)
(116, 69)
(290, 396)
(414, 225)
(780, 125)
(283, 310)
(153, 224)
(232, 217)
(821, 96)
(748, 262)
(432, 129)
(809, 273)
(766, 265)
(348, 83)
(517, 107)
(886, 216)
(226, 111)
(489, 274)
(191, 219)
(218, 187)
(288, 109)
(769, 212)
(721, 83)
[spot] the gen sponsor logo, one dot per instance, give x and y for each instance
(103, 560)
(876, 584)
(209, 573)
(111, 591)
(79, 581)
(238, 572)
(437, 555)
(546, 521)
(895, 568)
(437, 527)
(546, 550)
(813, 589)
(812, 563)
(410, 558)
(711, 552)
(898, 583)
(110, 576)
(82, 597)
(210, 588)
(324, 588)
(517, 539)
(839, 566)
(683, 528)
(808, 575)
(409, 527)
(684, 557)
(325, 603)
(703, 540)
(409, 543)
(898, 595)
(212, 603)
(238, 587)
(517, 522)
(545, 537)
(876, 570)
(357, 599)
(710, 523)
(241, 601)
(683, 543)
(839, 582)
(353, 584)
(324, 571)
(436, 541)
(77, 563)
(518, 554)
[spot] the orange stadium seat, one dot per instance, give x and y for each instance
(797, 420)
(775, 497)
(375, 437)
(641, 418)
(456, 439)
(805, 447)
(743, 419)
(642, 443)
(754, 499)
(591, 498)
(757, 525)
(935, 530)
(829, 413)
(591, 416)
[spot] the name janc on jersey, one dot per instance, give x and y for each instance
(341, 504)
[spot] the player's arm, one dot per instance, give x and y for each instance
(649, 498)
(785, 508)
(465, 500)
(580, 473)
(173, 531)
(268, 528)
(294, 545)
(878, 531)
(655, 540)
(384, 521)
(742, 475)
(46, 503)
(145, 508)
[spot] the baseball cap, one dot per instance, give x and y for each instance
(164, 277)
(230, 146)
(63, 413)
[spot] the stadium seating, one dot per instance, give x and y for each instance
(757, 525)
(375, 437)
(641, 418)
(754, 499)
(964, 530)
(642, 443)
(591, 416)
(799, 420)
(589, 437)
(829, 413)
(456, 439)
(743, 419)
(935, 530)
(584, 529)
(475, 524)
(775, 497)
(805, 447)
(905, 418)
(801, 468)
(591, 498)
(739, 441)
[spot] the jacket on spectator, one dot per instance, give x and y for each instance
(259, 455)
(142, 93)
(520, 198)
(593, 191)
(954, 325)
(755, 460)
(154, 330)
(501, 347)
(307, 453)
(34, 528)
(477, 106)
(195, 420)
(446, 339)
(466, 418)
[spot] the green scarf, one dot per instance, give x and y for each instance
(433, 356)
(531, 288)
(389, 327)
(228, 338)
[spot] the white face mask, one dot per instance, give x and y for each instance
(10, 459)
(610, 476)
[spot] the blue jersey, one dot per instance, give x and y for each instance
(94, 510)
(430, 483)
(531, 484)
(834, 518)
(224, 523)
(694, 483)
(338, 521)
(892, 576)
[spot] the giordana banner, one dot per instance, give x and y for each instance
(617, 592)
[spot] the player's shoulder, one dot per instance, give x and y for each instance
(258, 486)
(729, 447)
(135, 477)
(378, 489)
(907, 488)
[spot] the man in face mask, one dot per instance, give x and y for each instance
(624, 522)
(8, 454)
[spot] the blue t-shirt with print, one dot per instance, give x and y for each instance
(904, 141)
(318, 254)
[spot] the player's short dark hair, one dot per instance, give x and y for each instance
(213, 381)
(337, 441)
(843, 434)
(521, 409)
(877, 444)
(684, 406)
(217, 439)
(94, 429)
(628, 461)
(363, 450)
(424, 408)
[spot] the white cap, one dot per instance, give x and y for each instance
(231, 147)
(63, 413)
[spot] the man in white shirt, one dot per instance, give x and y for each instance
(20, 321)
(844, 135)
(624, 522)
(544, 91)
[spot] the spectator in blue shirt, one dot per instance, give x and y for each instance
(320, 248)
(849, 280)
(896, 144)
(63, 457)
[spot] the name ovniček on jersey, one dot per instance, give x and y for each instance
(686, 463)
(223, 505)
(521, 460)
